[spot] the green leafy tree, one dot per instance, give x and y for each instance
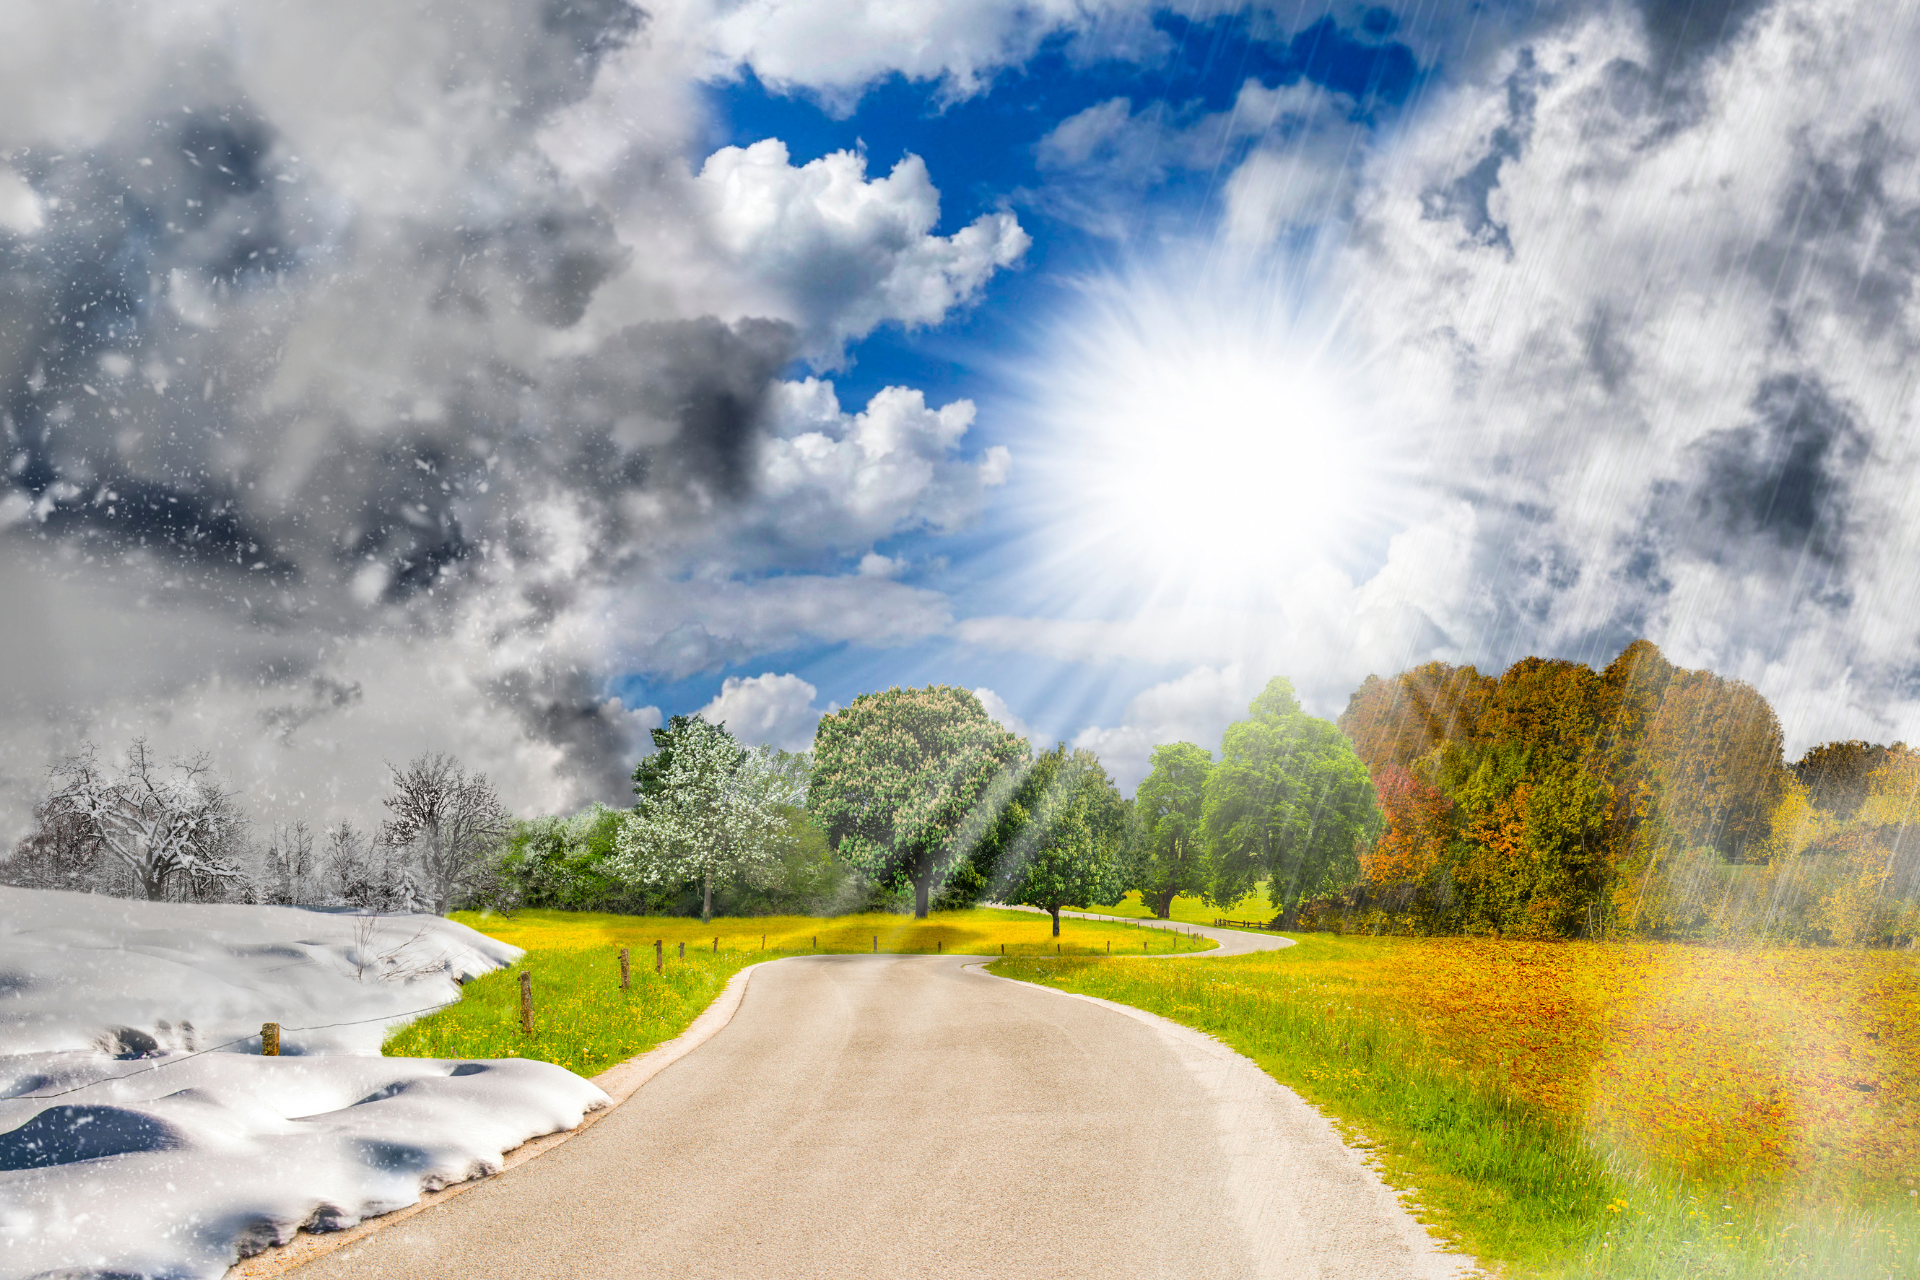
(896, 776)
(1290, 802)
(1167, 845)
(718, 814)
(1069, 851)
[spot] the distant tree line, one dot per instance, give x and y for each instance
(1551, 800)
(916, 800)
(168, 830)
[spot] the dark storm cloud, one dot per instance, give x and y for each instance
(1682, 31)
(140, 325)
(1769, 496)
(1840, 229)
(329, 413)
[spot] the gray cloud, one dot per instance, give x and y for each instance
(362, 366)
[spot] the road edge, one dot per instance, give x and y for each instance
(619, 1082)
(1463, 1266)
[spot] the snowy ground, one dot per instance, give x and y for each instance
(141, 1134)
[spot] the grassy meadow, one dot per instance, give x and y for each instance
(1592, 1109)
(1194, 910)
(584, 1022)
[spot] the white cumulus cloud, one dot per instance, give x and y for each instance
(837, 253)
(840, 480)
(837, 48)
(766, 710)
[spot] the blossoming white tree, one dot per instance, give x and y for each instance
(718, 811)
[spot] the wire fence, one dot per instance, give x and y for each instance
(197, 1053)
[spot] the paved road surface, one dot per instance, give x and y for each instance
(906, 1116)
(1233, 942)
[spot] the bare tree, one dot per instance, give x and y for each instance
(164, 824)
(448, 819)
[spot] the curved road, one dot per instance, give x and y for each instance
(905, 1116)
(1233, 942)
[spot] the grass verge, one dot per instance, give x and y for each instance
(586, 1023)
(1185, 910)
(1587, 1110)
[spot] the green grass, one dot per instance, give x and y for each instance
(584, 1022)
(1516, 1184)
(582, 1019)
(1187, 910)
(983, 931)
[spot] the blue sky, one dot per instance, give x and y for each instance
(982, 153)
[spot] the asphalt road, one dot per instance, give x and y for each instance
(907, 1116)
(1230, 942)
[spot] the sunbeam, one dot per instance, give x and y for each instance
(1200, 443)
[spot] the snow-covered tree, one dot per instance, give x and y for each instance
(719, 811)
(60, 851)
(292, 871)
(363, 873)
(447, 820)
(165, 824)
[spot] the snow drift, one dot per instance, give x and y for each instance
(142, 1134)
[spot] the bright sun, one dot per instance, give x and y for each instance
(1200, 446)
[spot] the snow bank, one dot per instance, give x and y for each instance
(141, 1133)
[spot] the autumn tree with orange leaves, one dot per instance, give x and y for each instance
(1553, 800)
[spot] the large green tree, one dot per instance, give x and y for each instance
(896, 776)
(1289, 802)
(1069, 850)
(1167, 849)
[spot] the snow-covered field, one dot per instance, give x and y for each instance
(141, 1132)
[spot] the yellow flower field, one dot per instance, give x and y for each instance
(1578, 1108)
(1797, 1067)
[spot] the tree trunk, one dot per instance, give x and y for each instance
(154, 882)
(706, 903)
(1055, 912)
(921, 887)
(1161, 903)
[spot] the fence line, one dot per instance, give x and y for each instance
(169, 1062)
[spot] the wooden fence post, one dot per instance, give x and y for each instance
(939, 945)
(269, 1039)
(526, 1002)
(626, 971)
(683, 948)
(876, 944)
(716, 946)
(657, 955)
